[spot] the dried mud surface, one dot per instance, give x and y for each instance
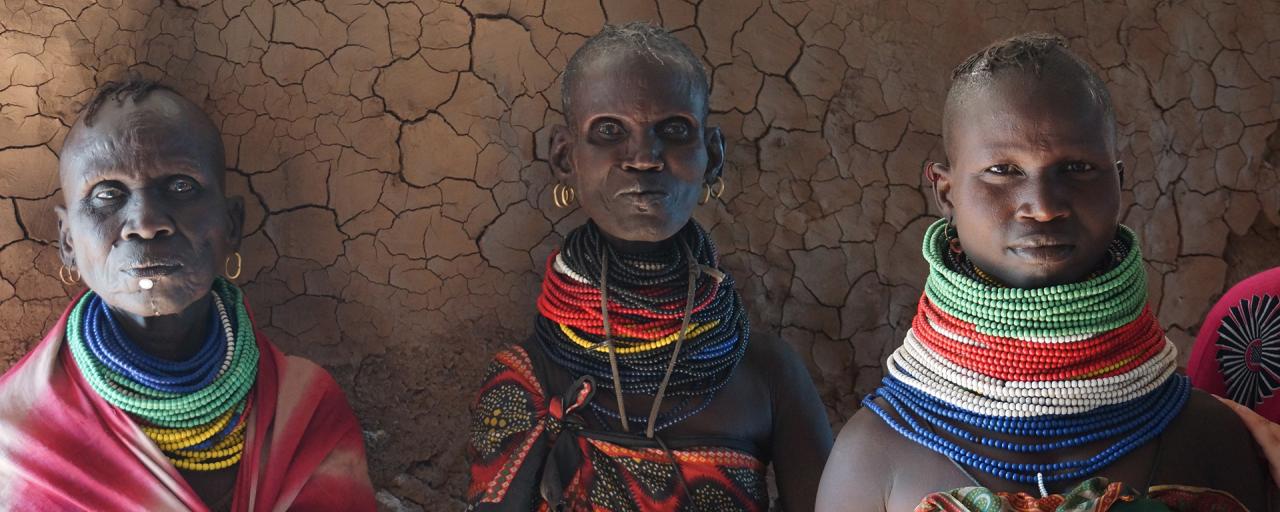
(392, 155)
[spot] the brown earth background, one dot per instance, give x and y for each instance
(392, 155)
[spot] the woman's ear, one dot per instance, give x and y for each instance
(65, 251)
(235, 220)
(560, 151)
(940, 175)
(715, 153)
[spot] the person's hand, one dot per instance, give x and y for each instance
(1265, 433)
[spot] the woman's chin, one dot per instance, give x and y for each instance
(643, 229)
(161, 299)
(1043, 275)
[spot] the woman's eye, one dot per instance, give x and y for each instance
(1002, 169)
(181, 186)
(609, 130)
(1077, 167)
(676, 130)
(108, 194)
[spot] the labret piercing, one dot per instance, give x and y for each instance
(146, 284)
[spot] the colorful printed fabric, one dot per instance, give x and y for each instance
(1093, 495)
(1237, 353)
(62, 447)
(528, 452)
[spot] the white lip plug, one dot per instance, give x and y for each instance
(146, 284)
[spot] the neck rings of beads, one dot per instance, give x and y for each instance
(195, 410)
(1062, 365)
(647, 294)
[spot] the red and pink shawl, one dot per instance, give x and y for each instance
(62, 447)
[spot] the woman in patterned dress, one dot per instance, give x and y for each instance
(663, 399)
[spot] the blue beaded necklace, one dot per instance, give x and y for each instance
(1137, 422)
(112, 347)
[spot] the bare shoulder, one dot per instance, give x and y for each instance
(861, 467)
(865, 438)
(1207, 445)
(878, 468)
(800, 433)
(767, 349)
(771, 357)
(1208, 430)
(776, 366)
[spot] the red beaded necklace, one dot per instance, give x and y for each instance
(1110, 353)
(569, 302)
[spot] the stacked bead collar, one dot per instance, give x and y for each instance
(647, 295)
(196, 410)
(1068, 364)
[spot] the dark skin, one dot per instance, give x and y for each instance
(638, 153)
(144, 192)
(1033, 188)
(1034, 197)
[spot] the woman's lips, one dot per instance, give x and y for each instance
(643, 197)
(1047, 253)
(154, 270)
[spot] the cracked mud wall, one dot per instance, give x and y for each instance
(392, 155)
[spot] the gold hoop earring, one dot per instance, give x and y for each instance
(226, 266)
(69, 276)
(710, 190)
(562, 195)
(953, 237)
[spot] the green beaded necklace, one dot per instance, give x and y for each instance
(1102, 303)
(166, 409)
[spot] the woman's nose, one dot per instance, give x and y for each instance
(145, 218)
(1043, 200)
(645, 154)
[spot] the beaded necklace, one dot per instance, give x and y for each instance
(197, 410)
(667, 323)
(1066, 365)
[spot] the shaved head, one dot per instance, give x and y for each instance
(138, 123)
(1043, 57)
(637, 38)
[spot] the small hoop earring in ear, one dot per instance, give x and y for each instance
(226, 266)
(953, 237)
(710, 190)
(717, 188)
(562, 195)
(69, 276)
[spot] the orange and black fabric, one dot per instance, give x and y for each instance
(529, 452)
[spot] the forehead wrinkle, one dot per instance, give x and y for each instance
(131, 169)
(643, 71)
(140, 138)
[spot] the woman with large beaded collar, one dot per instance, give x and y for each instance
(1033, 364)
(642, 386)
(153, 391)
